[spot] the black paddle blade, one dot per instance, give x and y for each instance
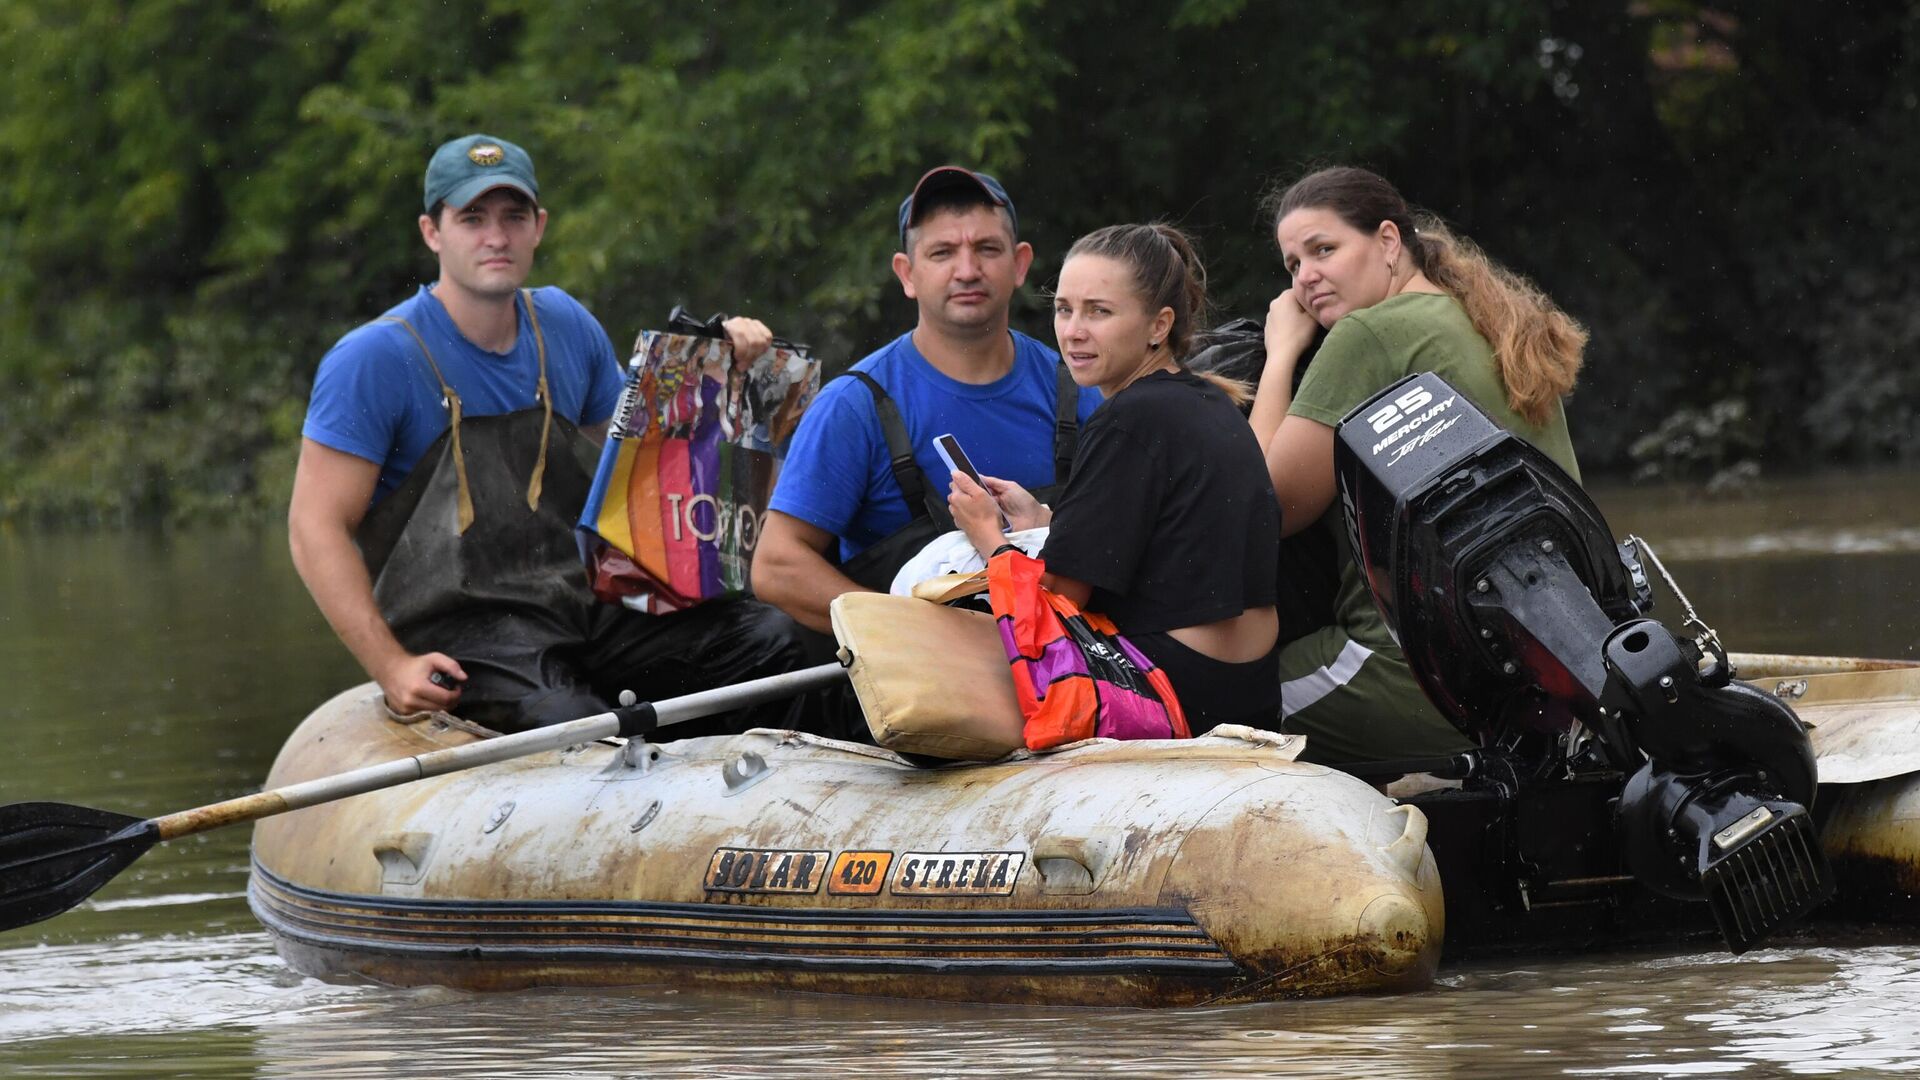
(52, 856)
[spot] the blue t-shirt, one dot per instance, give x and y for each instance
(839, 477)
(376, 398)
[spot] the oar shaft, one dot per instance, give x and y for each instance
(743, 695)
(487, 752)
(385, 775)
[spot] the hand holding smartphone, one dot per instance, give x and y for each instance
(949, 450)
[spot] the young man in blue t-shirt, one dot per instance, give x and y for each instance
(960, 371)
(475, 602)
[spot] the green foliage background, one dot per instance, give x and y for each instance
(198, 196)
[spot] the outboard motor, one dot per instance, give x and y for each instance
(1525, 625)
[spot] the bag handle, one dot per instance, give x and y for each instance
(682, 321)
(950, 587)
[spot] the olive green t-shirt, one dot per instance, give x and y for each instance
(1370, 349)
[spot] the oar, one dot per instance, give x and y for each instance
(52, 855)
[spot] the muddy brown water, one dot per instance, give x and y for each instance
(147, 673)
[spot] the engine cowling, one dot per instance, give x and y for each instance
(1525, 625)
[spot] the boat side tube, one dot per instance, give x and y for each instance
(1140, 873)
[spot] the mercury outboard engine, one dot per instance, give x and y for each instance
(1525, 625)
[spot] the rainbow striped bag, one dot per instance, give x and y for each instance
(677, 501)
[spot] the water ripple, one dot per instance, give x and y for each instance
(1811, 541)
(224, 1005)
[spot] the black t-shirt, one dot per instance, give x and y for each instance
(1170, 514)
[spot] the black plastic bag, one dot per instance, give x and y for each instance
(1310, 558)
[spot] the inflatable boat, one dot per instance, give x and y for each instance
(1110, 873)
(1162, 873)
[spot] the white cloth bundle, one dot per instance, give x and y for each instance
(952, 553)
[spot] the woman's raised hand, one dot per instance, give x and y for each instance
(975, 513)
(1290, 328)
(1022, 510)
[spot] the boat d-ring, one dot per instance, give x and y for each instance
(744, 771)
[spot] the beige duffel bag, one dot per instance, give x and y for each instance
(932, 680)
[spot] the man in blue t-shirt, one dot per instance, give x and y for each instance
(960, 371)
(499, 587)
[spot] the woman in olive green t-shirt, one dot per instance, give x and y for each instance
(1395, 299)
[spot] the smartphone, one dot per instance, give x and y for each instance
(949, 450)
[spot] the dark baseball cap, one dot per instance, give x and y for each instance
(468, 167)
(947, 177)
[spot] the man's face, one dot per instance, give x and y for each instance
(963, 269)
(486, 247)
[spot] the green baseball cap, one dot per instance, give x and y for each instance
(468, 167)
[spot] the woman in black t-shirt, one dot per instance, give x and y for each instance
(1169, 524)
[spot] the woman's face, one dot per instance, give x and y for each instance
(1101, 322)
(1336, 268)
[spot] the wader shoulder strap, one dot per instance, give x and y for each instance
(906, 471)
(452, 401)
(546, 402)
(876, 566)
(1066, 425)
